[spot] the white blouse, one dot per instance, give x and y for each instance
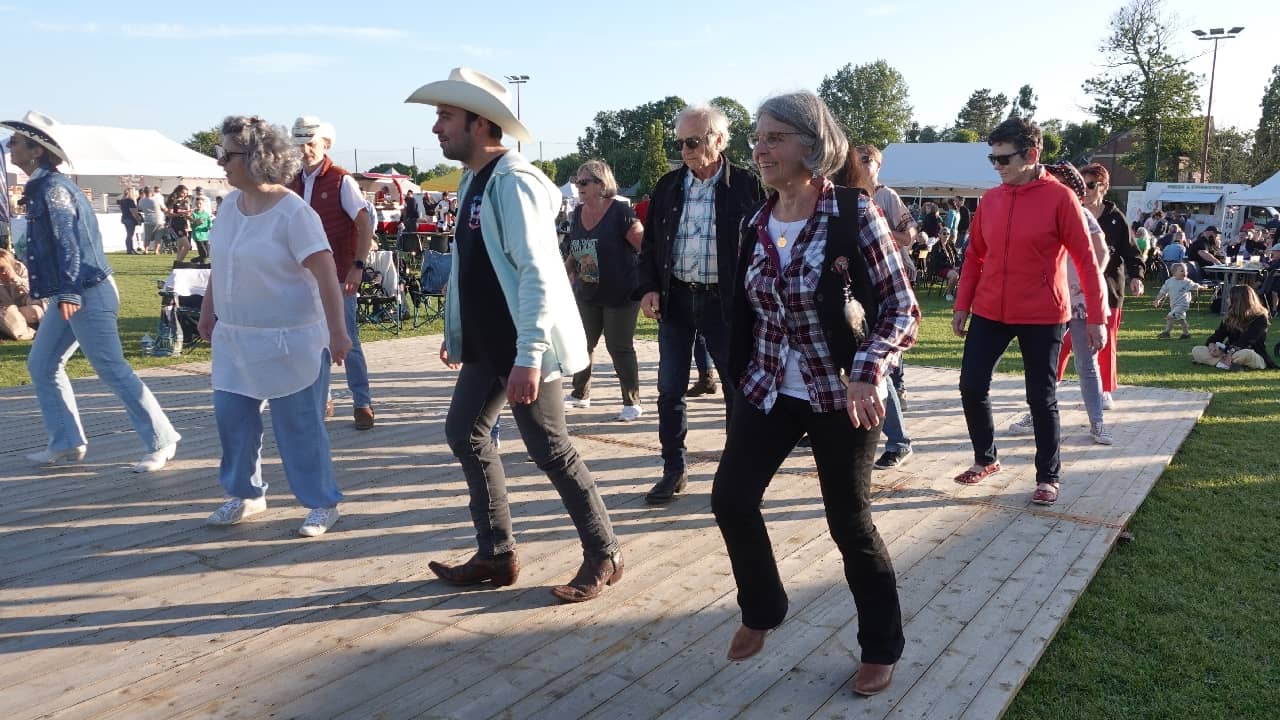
(271, 327)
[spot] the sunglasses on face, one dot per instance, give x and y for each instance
(1004, 160)
(222, 153)
(1093, 184)
(693, 143)
(583, 182)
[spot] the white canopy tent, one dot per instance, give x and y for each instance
(1266, 195)
(938, 169)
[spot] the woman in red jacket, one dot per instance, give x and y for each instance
(1014, 282)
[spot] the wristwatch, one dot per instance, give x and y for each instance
(358, 264)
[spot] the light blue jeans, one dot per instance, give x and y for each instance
(94, 329)
(1087, 368)
(298, 423)
(357, 368)
(895, 430)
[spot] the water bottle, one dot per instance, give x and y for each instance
(148, 344)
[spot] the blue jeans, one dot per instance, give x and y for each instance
(687, 313)
(895, 430)
(357, 368)
(1087, 368)
(297, 421)
(701, 358)
(95, 331)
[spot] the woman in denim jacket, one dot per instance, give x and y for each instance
(66, 264)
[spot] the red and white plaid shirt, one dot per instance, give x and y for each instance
(787, 311)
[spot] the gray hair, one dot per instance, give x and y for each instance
(716, 121)
(809, 115)
(599, 170)
(270, 154)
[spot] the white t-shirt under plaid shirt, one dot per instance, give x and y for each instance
(694, 255)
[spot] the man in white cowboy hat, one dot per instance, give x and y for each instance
(337, 199)
(66, 264)
(512, 324)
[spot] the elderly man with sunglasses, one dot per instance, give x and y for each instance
(1014, 282)
(689, 247)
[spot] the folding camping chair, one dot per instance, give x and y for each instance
(426, 292)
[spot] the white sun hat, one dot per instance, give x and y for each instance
(474, 91)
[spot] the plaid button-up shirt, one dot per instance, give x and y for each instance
(787, 310)
(694, 251)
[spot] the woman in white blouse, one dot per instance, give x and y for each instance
(273, 314)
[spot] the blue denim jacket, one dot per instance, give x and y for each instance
(64, 247)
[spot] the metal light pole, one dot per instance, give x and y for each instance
(517, 80)
(1214, 34)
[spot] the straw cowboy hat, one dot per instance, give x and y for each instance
(308, 128)
(39, 128)
(473, 90)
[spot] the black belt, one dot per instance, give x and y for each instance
(694, 286)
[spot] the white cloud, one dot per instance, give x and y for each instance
(178, 31)
(880, 10)
(281, 62)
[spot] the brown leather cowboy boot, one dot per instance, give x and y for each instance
(500, 570)
(591, 578)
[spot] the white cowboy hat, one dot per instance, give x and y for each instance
(473, 90)
(39, 128)
(308, 128)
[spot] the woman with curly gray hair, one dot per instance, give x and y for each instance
(273, 314)
(821, 310)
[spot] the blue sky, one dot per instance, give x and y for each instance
(181, 67)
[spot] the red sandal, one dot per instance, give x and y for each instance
(1046, 494)
(973, 477)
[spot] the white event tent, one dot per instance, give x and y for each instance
(102, 157)
(1266, 195)
(938, 169)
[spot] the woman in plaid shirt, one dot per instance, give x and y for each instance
(821, 310)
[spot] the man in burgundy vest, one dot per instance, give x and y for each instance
(337, 199)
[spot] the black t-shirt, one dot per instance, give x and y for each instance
(1201, 244)
(605, 261)
(488, 332)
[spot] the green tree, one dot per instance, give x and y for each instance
(1266, 154)
(1079, 138)
(654, 165)
(912, 135)
(566, 167)
(617, 136)
(397, 168)
(959, 135)
(930, 134)
(204, 141)
(1052, 146)
(440, 170)
(1146, 85)
(1025, 104)
(738, 150)
(869, 101)
(1231, 155)
(982, 112)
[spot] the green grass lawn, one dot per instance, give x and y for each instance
(1178, 624)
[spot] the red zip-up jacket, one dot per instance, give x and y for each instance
(1014, 268)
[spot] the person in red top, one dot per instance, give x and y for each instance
(642, 209)
(1014, 285)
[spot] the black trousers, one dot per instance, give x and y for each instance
(983, 345)
(757, 445)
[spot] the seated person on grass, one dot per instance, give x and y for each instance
(1180, 291)
(19, 314)
(1240, 342)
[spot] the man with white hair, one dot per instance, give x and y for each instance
(337, 199)
(690, 245)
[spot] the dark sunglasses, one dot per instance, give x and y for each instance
(693, 143)
(1004, 160)
(1093, 184)
(583, 182)
(222, 153)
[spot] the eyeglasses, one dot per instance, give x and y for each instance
(222, 153)
(1093, 184)
(583, 182)
(693, 143)
(1004, 160)
(769, 139)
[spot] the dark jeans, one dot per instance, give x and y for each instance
(701, 358)
(687, 312)
(757, 445)
(478, 397)
(129, 230)
(619, 327)
(985, 343)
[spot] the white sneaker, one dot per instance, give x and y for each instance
(1100, 434)
(58, 457)
(318, 522)
(630, 413)
(1107, 402)
(1023, 424)
(235, 510)
(572, 402)
(152, 462)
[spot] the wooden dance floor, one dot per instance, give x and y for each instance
(116, 601)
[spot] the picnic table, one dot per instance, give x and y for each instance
(1233, 275)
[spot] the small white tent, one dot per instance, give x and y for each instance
(1267, 194)
(938, 169)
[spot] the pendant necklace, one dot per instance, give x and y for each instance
(784, 228)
